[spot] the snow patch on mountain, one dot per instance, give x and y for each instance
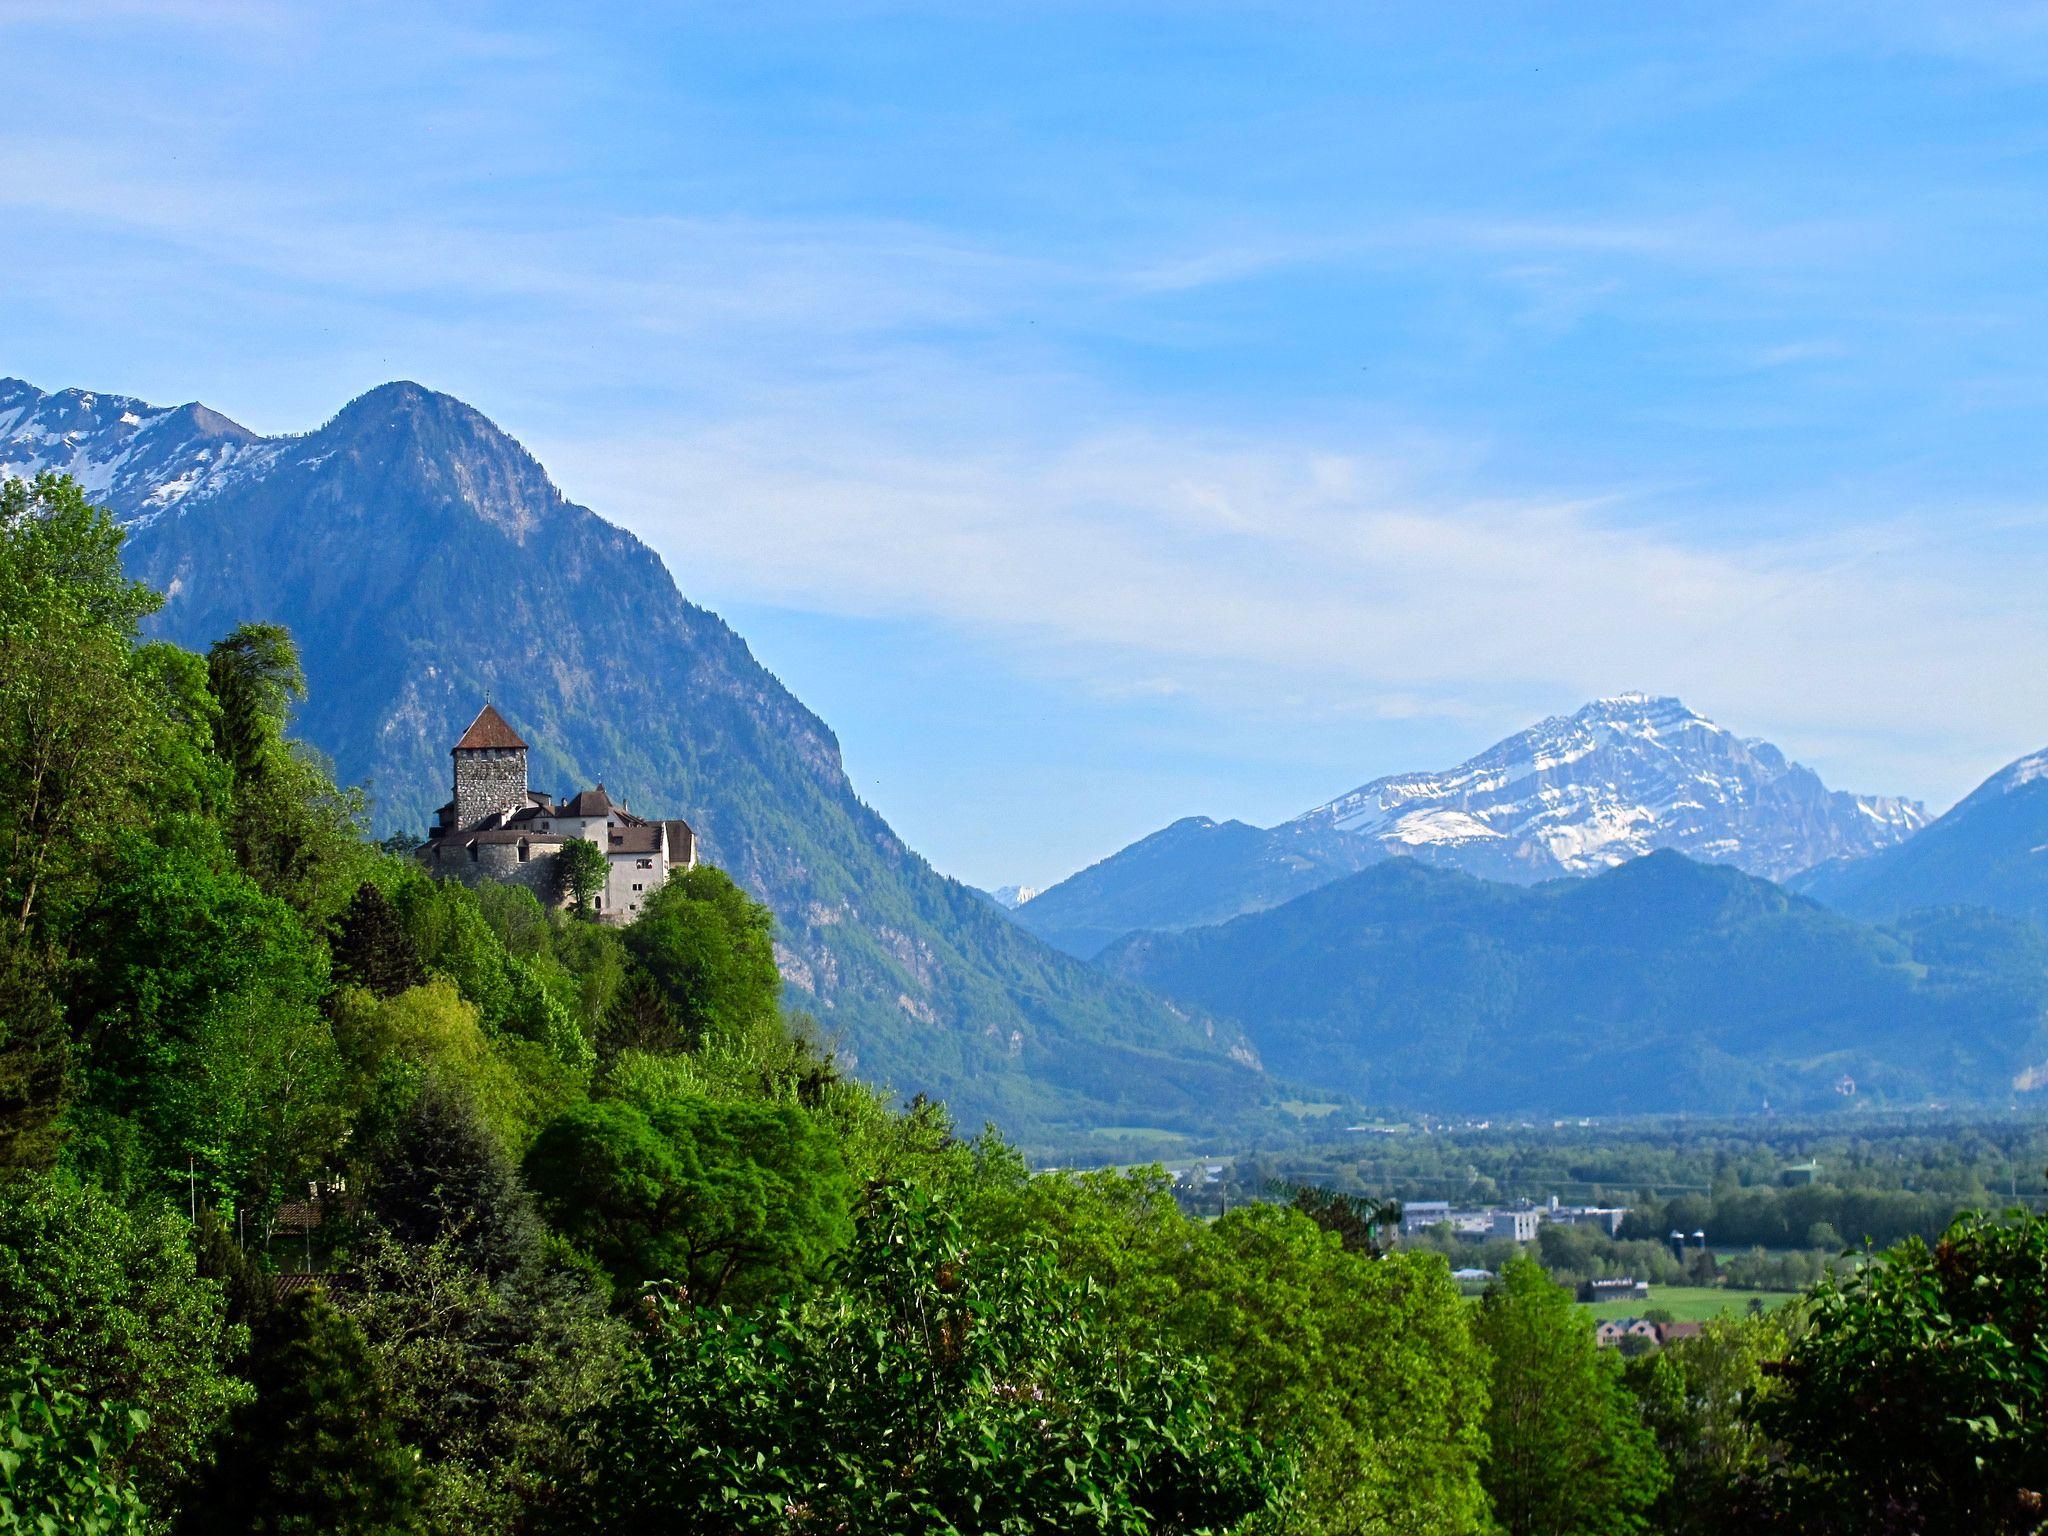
(140, 460)
(1622, 777)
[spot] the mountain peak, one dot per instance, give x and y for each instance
(1621, 777)
(403, 400)
(141, 460)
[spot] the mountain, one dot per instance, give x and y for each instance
(424, 561)
(1011, 897)
(1194, 872)
(1569, 796)
(1622, 777)
(1990, 851)
(1662, 985)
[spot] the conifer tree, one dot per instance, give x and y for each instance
(640, 1019)
(317, 1453)
(35, 1057)
(371, 947)
(443, 1175)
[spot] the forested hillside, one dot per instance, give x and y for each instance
(334, 1199)
(1660, 986)
(425, 562)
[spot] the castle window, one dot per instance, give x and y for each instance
(525, 852)
(636, 887)
(645, 864)
(472, 853)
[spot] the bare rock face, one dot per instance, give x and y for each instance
(423, 560)
(1621, 778)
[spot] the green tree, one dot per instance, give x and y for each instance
(61, 1461)
(196, 997)
(639, 1018)
(442, 1175)
(108, 1301)
(1569, 1455)
(933, 1386)
(449, 924)
(711, 949)
(35, 1063)
(725, 1199)
(317, 1453)
(255, 677)
(1701, 1397)
(396, 1046)
(371, 948)
(293, 831)
(1914, 1395)
(489, 1375)
(76, 726)
(581, 869)
(1364, 1369)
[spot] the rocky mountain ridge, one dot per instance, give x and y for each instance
(1571, 795)
(424, 560)
(1622, 777)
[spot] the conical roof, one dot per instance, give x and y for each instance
(488, 729)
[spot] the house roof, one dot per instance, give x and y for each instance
(589, 802)
(488, 729)
(634, 839)
(491, 834)
(681, 837)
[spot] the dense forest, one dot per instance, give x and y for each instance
(335, 1199)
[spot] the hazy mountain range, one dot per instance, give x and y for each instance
(1580, 919)
(1660, 985)
(423, 559)
(1990, 851)
(1571, 795)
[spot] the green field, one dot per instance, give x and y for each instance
(1689, 1303)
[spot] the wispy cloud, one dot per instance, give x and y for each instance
(1134, 439)
(1273, 577)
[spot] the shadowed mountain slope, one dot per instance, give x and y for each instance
(424, 561)
(1990, 851)
(1662, 985)
(1571, 795)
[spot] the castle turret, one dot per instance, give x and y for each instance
(490, 769)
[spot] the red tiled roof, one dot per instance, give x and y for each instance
(488, 729)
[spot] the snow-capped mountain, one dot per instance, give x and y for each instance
(1011, 897)
(1570, 796)
(1621, 778)
(138, 459)
(1990, 850)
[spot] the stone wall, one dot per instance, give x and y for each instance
(488, 779)
(500, 864)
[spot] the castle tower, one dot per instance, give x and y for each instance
(490, 769)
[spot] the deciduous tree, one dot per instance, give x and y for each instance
(1569, 1455)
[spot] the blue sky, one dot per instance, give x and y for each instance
(1108, 413)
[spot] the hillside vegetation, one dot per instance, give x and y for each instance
(337, 1200)
(424, 561)
(1661, 985)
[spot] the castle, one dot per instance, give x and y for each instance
(496, 828)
